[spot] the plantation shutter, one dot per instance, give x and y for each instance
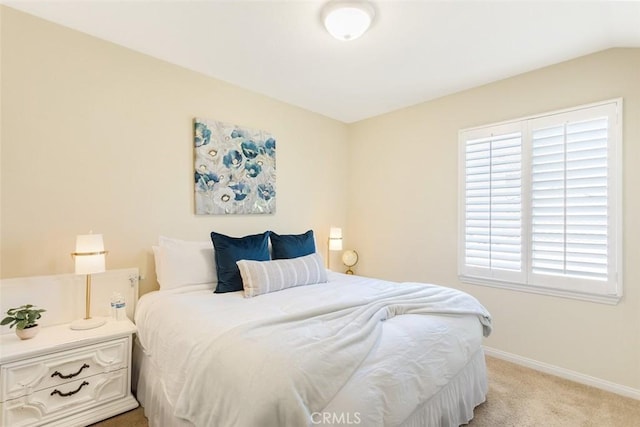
(540, 203)
(493, 205)
(573, 200)
(569, 199)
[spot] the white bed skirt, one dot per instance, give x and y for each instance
(452, 406)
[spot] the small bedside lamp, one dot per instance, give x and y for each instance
(349, 259)
(334, 243)
(89, 258)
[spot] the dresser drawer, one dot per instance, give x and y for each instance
(53, 403)
(56, 369)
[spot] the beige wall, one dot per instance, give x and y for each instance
(98, 137)
(403, 210)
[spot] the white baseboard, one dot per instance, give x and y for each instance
(564, 373)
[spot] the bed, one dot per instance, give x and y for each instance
(309, 347)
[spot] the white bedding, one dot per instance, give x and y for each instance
(413, 359)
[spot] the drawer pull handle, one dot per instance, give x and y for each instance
(71, 393)
(66, 377)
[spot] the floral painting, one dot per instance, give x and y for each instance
(235, 169)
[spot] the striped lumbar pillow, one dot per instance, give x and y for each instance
(261, 277)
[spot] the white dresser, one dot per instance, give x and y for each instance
(65, 377)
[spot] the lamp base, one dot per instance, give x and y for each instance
(82, 324)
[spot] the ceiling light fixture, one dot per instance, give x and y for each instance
(347, 20)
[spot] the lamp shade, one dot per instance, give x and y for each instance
(90, 254)
(335, 239)
(347, 20)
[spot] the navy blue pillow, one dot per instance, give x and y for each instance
(285, 246)
(228, 250)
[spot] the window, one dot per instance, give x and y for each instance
(540, 203)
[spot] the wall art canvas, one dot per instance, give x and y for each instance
(235, 169)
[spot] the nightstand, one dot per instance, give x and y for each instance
(64, 377)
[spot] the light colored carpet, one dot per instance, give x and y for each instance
(522, 397)
(518, 397)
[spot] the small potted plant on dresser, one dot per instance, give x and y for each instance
(24, 318)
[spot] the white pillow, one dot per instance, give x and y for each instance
(261, 277)
(156, 257)
(182, 262)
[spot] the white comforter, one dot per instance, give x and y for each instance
(281, 359)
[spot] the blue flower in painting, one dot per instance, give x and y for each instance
(241, 190)
(266, 191)
(253, 169)
(263, 161)
(233, 159)
(250, 149)
(238, 133)
(202, 134)
(206, 181)
(270, 146)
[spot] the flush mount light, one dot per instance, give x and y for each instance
(347, 20)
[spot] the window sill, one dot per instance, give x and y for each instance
(602, 299)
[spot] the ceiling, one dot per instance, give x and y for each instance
(415, 51)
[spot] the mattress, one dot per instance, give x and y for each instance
(174, 327)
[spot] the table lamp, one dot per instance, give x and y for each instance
(89, 259)
(334, 243)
